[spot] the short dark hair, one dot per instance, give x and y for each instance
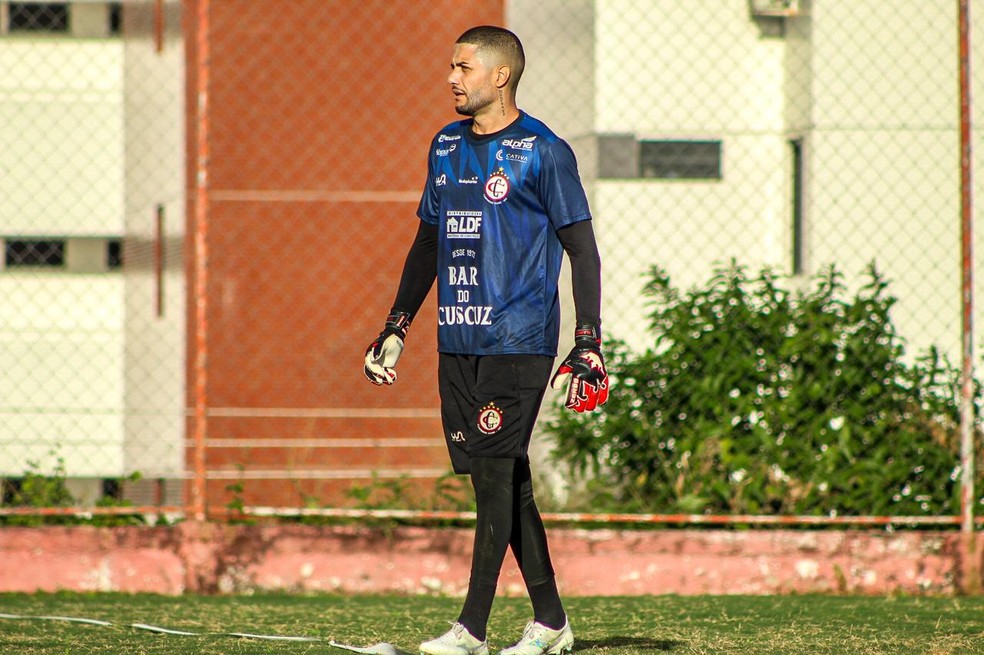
(503, 42)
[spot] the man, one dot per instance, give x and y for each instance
(502, 202)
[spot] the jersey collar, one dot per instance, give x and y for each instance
(480, 139)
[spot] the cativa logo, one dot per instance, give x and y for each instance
(511, 156)
(519, 144)
(448, 137)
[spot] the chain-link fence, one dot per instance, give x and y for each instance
(205, 208)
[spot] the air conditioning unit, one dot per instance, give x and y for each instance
(774, 8)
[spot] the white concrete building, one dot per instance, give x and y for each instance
(91, 134)
(845, 109)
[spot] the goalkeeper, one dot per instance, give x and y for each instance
(502, 203)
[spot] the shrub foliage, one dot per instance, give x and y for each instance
(754, 399)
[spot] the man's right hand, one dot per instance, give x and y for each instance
(383, 353)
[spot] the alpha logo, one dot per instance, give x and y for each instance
(519, 144)
(458, 437)
(448, 137)
(444, 152)
(490, 419)
(497, 186)
(463, 225)
(441, 180)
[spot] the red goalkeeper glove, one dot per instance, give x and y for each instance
(383, 353)
(584, 371)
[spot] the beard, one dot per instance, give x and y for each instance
(476, 102)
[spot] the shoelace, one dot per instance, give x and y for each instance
(532, 633)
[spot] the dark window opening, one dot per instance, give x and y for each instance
(685, 160)
(112, 488)
(798, 245)
(38, 17)
(11, 490)
(115, 18)
(114, 253)
(34, 253)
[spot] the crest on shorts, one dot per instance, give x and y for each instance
(490, 419)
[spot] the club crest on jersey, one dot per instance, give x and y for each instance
(497, 186)
(490, 419)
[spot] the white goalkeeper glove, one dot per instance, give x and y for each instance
(383, 353)
(583, 370)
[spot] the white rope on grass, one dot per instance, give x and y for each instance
(247, 635)
(376, 649)
(73, 619)
(166, 631)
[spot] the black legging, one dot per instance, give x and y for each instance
(507, 516)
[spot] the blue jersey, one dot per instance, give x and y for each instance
(498, 200)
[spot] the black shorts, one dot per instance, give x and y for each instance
(489, 404)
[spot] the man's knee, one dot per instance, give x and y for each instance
(492, 476)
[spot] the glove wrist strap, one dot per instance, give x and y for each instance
(587, 331)
(398, 323)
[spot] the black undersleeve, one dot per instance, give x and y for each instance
(582, 249)
(419, 271)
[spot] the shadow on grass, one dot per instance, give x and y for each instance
(642, 643)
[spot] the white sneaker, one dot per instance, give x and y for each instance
(456, 641)
(538, 639)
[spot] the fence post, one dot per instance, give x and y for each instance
(201, 261)
(970, 573)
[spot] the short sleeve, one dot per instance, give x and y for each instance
(559, 186)
(429, 208)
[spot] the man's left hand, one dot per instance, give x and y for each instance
(583, 370)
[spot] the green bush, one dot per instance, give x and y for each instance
(754, 399)
(38, 489)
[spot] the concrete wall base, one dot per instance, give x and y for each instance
(219, 558)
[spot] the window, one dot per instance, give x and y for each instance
(34, 252)
(10, 490)
(798, 244)
(37, 17)
(687, 160)
(114, 254)
(87, 254)
(116, 18)
(86, 20)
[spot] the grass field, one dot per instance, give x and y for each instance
(602, 626)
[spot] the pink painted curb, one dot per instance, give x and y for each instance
(210, 558)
